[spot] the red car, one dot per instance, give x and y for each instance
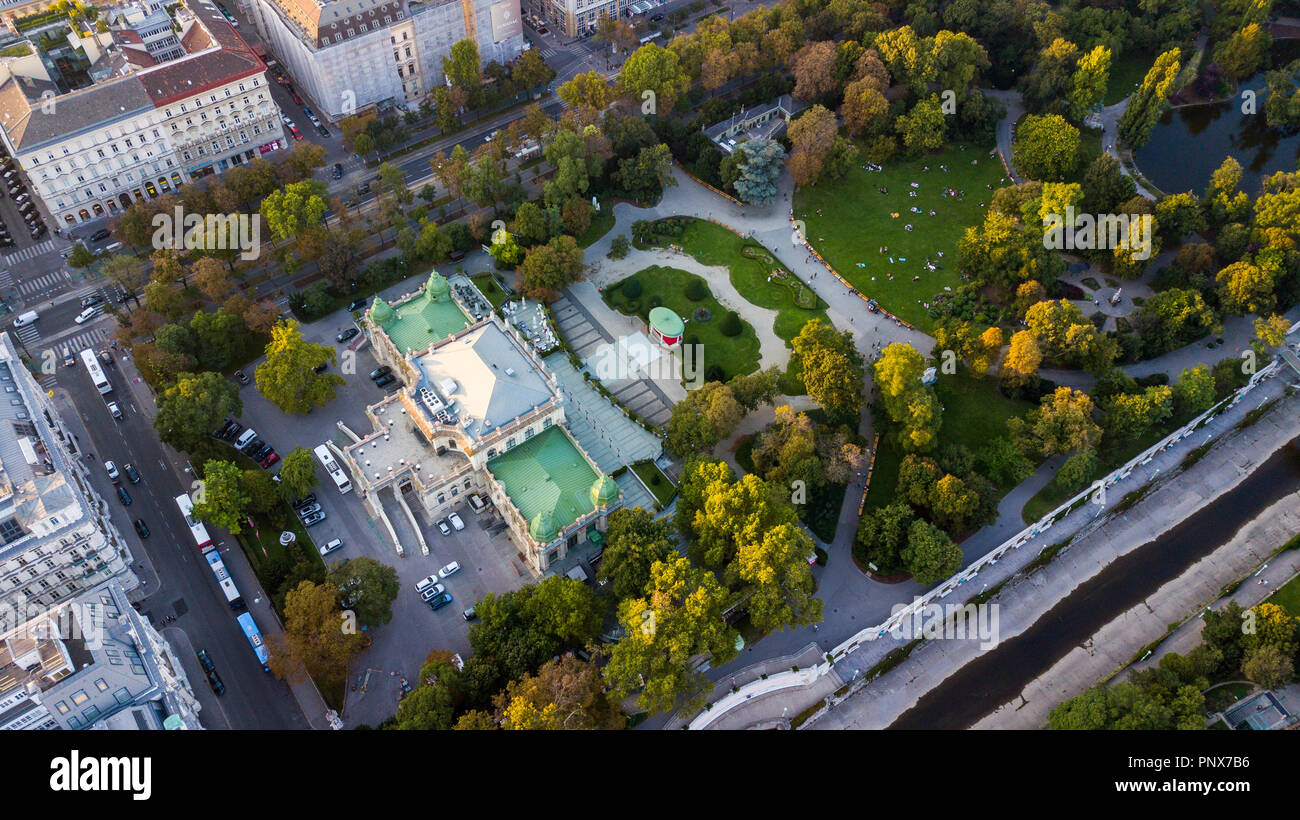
(295, 96)
(293, 129)
(270, 459)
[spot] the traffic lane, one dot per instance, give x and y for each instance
(253, 698)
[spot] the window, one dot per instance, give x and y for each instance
(79, 697)
(62, 706)
(101, 684)
(528, 434)
(510, 442)
(122, 696)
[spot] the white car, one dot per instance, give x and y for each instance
(115, 410)
(287, 121)
(456, 522)
(86, 315)
(431, 592)
(111, 468)
(331, 546)
(450, 569)
(426, 583)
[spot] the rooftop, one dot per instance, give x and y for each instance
(399, 447)
(424, 319)
(547, 475)
(485, 379)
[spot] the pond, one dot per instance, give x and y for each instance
(1189, 143)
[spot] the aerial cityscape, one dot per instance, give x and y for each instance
(669, 364)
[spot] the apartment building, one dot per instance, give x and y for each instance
(347, 54)
(574, 18)
(148, 123)
(92, 663)
(56, 538)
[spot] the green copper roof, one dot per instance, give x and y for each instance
(547, 474)
(542, 528)
(436, 288)
(381, 312)
(604, 492)
(423, 319)
(666, 322)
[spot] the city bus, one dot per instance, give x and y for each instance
(251, 632)
(227, 585)
(97, 376)
(332, 467)
(197, 531)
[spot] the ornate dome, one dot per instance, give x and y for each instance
(604, 491)
(436, 288)
(542, 528)
(381, 313)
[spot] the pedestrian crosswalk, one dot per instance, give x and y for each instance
(546, 52)
(30, 253)
(41, 284)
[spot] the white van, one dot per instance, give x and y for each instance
(26, 319)
(245, 437)
(113, 248)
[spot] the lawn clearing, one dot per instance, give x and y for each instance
(1288, 597)
(974, 412)
(488, 286)
(601, 222)
(733, 355)
(751, 265)
(1126, 72)
(660, 485)
(854, 223)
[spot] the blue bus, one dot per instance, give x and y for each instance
(251, 632)
(227, 585)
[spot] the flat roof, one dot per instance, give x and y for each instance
(547, 473)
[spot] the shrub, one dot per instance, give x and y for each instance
(695, 290)
(731, 324)
(631, 288)
(714, 373)
(655, 301)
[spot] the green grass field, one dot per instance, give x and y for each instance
(660, 485)
(736, 355)
(601, 222)
(712, 244)
(855, 223)
(1288, 597)
(1125, 74)
(973, 413)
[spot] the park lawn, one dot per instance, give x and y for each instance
(1288, 597)
(1126, 72)
(974, 412)
(712, 244)
(735, 355)
(855, 223)
(488, 286)
(660, 485)
(601, 222)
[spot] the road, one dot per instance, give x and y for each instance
(177, 579)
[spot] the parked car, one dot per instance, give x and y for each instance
(91, 300)
(111, 469)
(86, 315)
(443, 526)
(346, 335)
(456, 522)
(131, 474)
(206, 662)
(307, 500)
(253, 446)
(450, 569)
(337, 543)
(469, 614)
(337, 173)
(262, 452)
(241, 376)
(235, 429)
(141, 528)
(294, 95)
(380, 372)
(270, 458)
(384, 381)
(101, 234)
(356, 304)
(324, 132)
(441, 601)
(295, 132)
(364, 190)
(124, 496)
(425, 583)
(436, 589)
(313, 519)
(115, 410)
(308, 510)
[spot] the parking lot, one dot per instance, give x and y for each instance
(488, 563)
